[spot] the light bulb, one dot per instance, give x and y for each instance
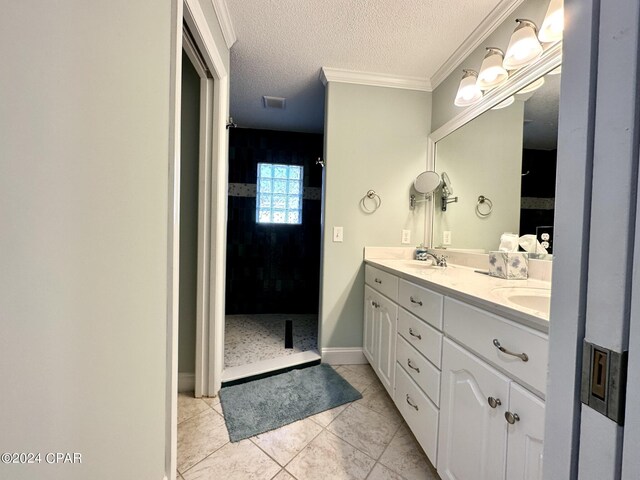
(492, 73)
(524, 46)
(468, 91)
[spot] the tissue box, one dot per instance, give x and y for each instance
(509, 265)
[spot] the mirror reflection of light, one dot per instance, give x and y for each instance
(533, 86)
(505, 103)
(553, 24)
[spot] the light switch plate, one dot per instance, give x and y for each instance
(446, 237)
(406, 237)
(337, 234)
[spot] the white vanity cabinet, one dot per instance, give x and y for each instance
(380, 324)
(490, 426)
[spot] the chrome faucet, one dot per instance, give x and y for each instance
(441, 261)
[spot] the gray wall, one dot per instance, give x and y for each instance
(375, 138)
(445, 93)
(84, 154)
(484, 157)
(189, 150)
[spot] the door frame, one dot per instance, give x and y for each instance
(212, 200)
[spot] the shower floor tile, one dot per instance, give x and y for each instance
(252, 338)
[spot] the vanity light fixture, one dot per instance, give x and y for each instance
(468, 91)
(553, 23)
(524, 46)
(492, 73)
(505, 103)
(533, 86)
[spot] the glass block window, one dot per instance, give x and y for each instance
(279, 194)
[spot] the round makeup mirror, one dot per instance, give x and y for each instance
(427, 182)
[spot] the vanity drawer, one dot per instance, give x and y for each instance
(382, 281)
(421, 302)
(420, 369)
(417, 410)
(478, 329)
(426, 339)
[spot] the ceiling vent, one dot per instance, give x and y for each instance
(273, 102)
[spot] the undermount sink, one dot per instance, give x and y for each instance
(422, 264)
(538, 299)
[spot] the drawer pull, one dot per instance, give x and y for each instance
(417, 335)
(410, 402)
(375, 304)
(412, 366)
(494, 402)
(377, 280)
(511, 417)
(417, 302)
(522, 356)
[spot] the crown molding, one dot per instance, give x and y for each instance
(475, 39)
(373, 79)
(224, 19)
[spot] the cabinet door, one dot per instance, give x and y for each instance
(472, 441)
(525, 438)
(370, 312)
(387, 327)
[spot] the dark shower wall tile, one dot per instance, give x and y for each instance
(272, 268)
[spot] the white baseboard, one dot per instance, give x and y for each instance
(186, 382)
(343, 356)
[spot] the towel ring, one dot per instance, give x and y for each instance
(484, 207)
(371, 195)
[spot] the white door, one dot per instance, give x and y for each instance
(473, 434)
(370, 311)
(525, 436)
(387, 328)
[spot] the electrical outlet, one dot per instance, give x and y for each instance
(406, 237)
(337, 234)
(446, 237)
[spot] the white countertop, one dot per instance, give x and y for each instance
(465, 284)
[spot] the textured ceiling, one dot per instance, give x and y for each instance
(282, 45)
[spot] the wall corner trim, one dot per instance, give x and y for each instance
(501, 11)
(224, 19)
(340, 75)
(344, 356)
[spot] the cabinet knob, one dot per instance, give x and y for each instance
(494, 402)
(377, 280)
(511, 417)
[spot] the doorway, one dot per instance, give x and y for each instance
(273, 251)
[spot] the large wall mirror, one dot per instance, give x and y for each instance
(502, 167)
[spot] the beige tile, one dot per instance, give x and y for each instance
(365, 429)
(235, 461)
(189, 406)
(356, 381)
(284, 475)
(200, 436)
(378, 400)
(325, 418)
(218, 408)
(285, 442)
(404, 456)
(212, 401)
(328, 457)
(380, 472)
(365, 371)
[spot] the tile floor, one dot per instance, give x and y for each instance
(366, 439)
(252, 338)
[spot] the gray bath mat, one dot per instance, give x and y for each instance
(262, 405)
